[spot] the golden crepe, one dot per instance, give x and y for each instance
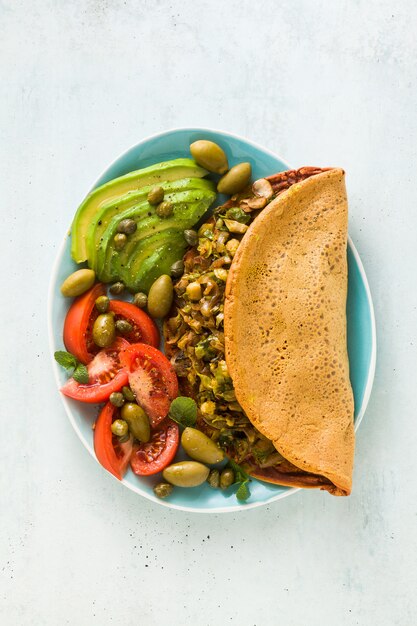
(285, 332)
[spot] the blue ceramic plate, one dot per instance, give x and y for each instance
(361, 324)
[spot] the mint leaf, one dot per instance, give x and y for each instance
(65, 359)
(81, 374)
(183, 410)
(243, 492)
(240, 474)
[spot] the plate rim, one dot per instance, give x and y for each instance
(51, 294)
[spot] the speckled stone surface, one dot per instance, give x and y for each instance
(318, 82)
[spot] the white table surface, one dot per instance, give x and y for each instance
(318, 82)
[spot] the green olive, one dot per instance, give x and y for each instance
(137, 420)
(128, 394)
(102, 304)
(77, 283)
(124, 327)
(119, 241)
(140, 300)
(127, 226)
(117, 399)
(209, 155)
(213, 478)
(236, 179)
(104, 330)
(160, 296)
(177, 269)
(191, 237)
(156, 195)
(200, 447)
(164, 209)
(227, 478)
(186, 474)
(117, 288)
(162, 490)
(119, 428)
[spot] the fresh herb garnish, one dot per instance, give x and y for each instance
(242, 479)
(243, 492)
(69, 362)
(183, 410)
(81, 374)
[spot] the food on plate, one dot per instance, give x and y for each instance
(236, 179)
(200, 447)
(113, 454)
(209, 155)
(186, 474)
(152, 457)
(160, 296)
(77, 283)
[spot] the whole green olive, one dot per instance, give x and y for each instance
(119, 428)
(140, 300)
(164, 209)
(137, 420)
(160, 296)
(102, 304)
(236, 179)
(104, 330)
(156, 195)
(119, 241)
(213, 478)
(117, 399)
(117, 288)
(209, 155)
(186, 474)
(163, 490)
(177, 269)
(227, 478)
(128, 394)
(191, 237)
(77, 283)
(124, 327)
(200, 447)
(127, 226)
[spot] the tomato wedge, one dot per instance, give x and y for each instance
(106, 374)
(79, 322)
(113, 455)
(152, 379)
(144, 328)
(150, 458)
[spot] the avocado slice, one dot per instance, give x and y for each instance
(165, 171)
(131, 199)
(188, 207)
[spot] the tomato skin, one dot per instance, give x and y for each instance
(144, 328)
(152, 457)
(114, 458)
(80, 317)
(106, 375)
(152, 379)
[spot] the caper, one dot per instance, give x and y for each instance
(186, 474)
(137, 420)
(127, 226)
(117, 288)
(164, 209)
(117, 399)
(193, 291)
(128, 394)
(213, 478)
(191, 237)
(140, 300)
(160, 296)
(124, 327)
(200, 447)
(227, 478)
(104, 330)
(119, 428)
(236, 179)
(163, 490)
(119, 241)
(77, 283)
(177, 269)
(209, 155)
(102, 304)
(156, 195)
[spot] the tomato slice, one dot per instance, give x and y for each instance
(106, 374)
(152, 379)
(113, 455)
(79, 322)
(144, 328)
(150, 458)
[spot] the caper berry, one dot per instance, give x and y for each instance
(140, 300)
(128, 394)
(124, 327)
(227, 478)
(213, 478)
(127, 226)
(191, 237)
(119, 428)
(117, 288)
(104, 330)
(156, 195)
(177, 269)
(164, 209)
(119, 241)
(102, 304)
(162, 490)
(117, 399)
